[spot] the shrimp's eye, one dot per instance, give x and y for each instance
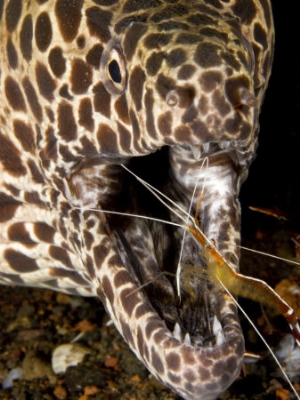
(113, 68)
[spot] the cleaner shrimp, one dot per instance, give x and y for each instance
(221, 272)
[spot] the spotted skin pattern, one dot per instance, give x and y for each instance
(88, 85)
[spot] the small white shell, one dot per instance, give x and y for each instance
(67, 355)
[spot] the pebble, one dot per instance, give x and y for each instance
(13, 374)
(67, 355)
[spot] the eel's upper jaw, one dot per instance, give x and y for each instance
(184, 331)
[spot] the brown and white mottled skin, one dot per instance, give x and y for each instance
(88, 85)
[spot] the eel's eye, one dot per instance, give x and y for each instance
(114, 71)
(113, 68)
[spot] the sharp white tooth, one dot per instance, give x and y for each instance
(218, 331)
(187, 338)
(224, 145)
(177, 332)
(205, 147)
(197, 151)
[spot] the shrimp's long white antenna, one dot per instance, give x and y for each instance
(178, 270)
(124, 214)
(159, 195)
(270, 255)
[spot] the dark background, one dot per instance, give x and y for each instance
(275, 174)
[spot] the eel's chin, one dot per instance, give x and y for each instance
(197, 320)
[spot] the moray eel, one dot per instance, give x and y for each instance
(89, 85)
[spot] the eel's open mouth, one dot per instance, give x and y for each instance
(189, 338)
(152, 251)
